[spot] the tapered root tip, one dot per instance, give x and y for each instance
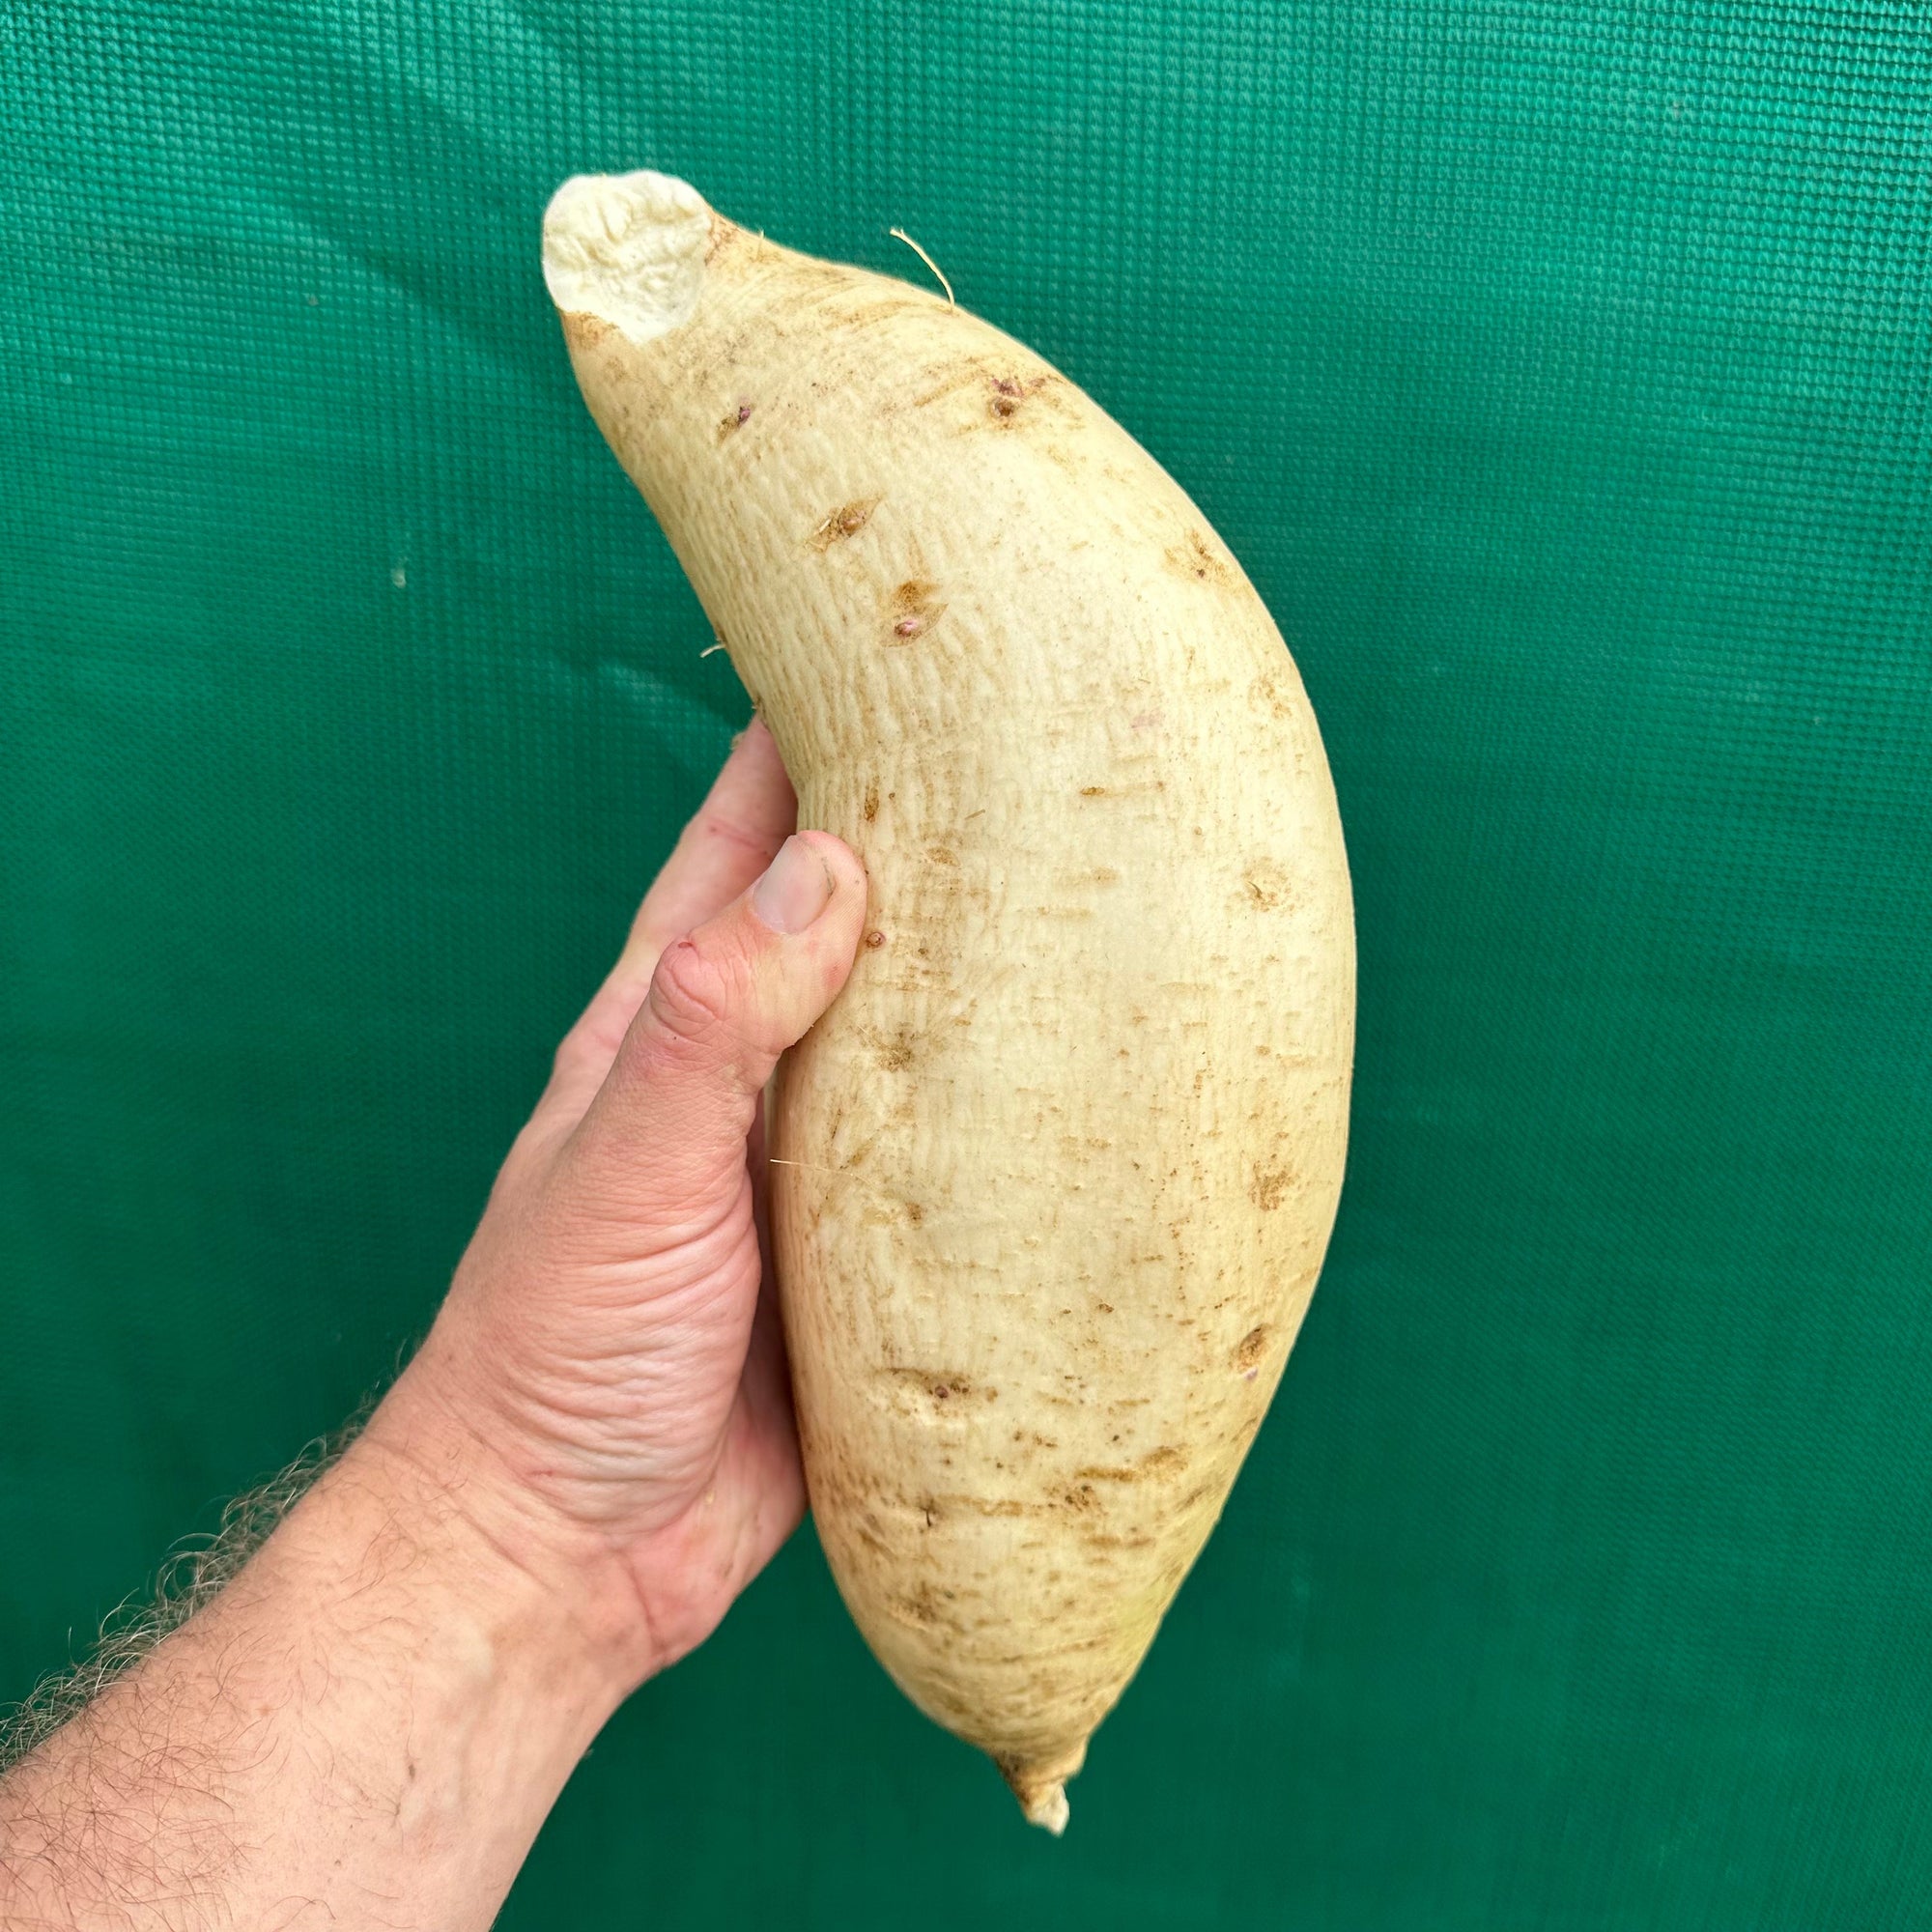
(628, 249)
(1041, 1787)
(1049, 1808)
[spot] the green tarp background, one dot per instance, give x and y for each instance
(1560, 372)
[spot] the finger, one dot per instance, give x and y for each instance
(750, 812)
(666, 1133)
(747, 816)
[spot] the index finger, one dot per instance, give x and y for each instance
(750, 812)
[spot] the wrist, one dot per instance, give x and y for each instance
(546, 1583)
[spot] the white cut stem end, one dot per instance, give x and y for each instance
(627, 249)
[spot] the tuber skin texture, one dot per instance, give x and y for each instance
(1057, 1172)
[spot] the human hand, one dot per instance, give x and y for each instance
(604, 1390)
(588, 1458)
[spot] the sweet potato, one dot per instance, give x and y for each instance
(1055, 1175)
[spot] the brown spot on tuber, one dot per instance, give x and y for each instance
(928, 1392)
(734, 421)
(869, 811)
(1156, 1466)
(920, 1607)
(1266, 885)
(1137, 788)
(1194, 556)
(911, 610)
(1274, 695)
(1009, 395)
(846, 520)
(894, 1051)
(1268, 1186)
(875, 937)
(1249, 1351)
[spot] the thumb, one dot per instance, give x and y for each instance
(667, 1127)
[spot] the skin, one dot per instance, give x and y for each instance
(1060, 1170)
(589, 1457)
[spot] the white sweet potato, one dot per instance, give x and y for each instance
(1056, 1173)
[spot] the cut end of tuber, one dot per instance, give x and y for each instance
(627, 249)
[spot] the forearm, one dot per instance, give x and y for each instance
(367, 1728)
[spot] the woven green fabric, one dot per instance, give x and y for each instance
(1561, 374)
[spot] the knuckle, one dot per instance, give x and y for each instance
(694, 994)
